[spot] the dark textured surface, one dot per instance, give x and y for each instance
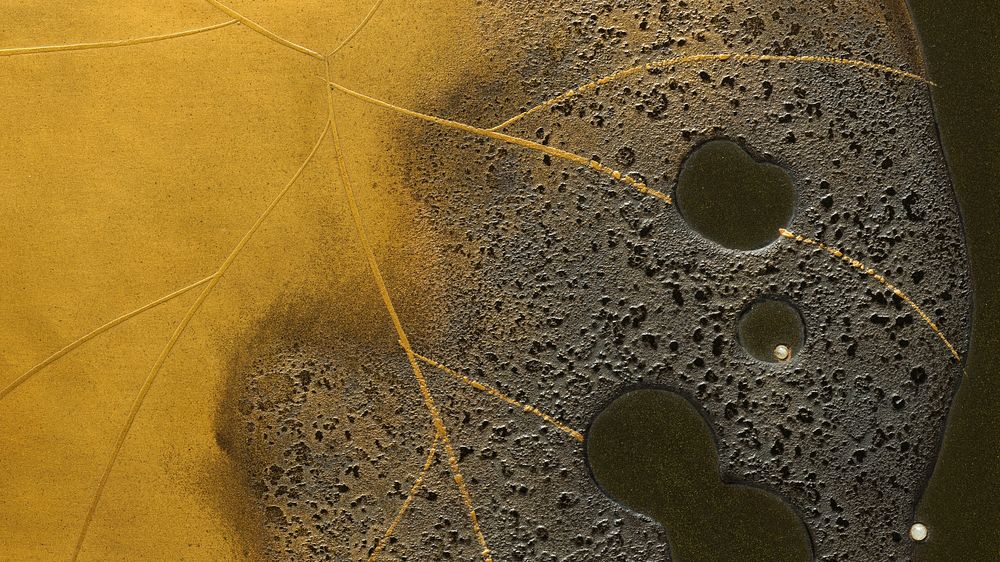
(564, 288)
(330, 433)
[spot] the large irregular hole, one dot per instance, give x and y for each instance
(652, 451)
(771, 329)
(732, 199)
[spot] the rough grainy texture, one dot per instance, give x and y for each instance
(565, 287)
(331, 434)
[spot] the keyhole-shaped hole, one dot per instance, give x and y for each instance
(652, 451)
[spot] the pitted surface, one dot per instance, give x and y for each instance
(564, 287)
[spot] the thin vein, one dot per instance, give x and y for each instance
(403, 509)
(664, 63)
(93, 334)
(877, 277)
(264, 31)
(15, 51)
(329, 92)
(359, 27)
(518, 141)
(405, 342)
(151, 378)
(496, 393)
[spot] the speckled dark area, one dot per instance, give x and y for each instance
(326, 421)
(564, 288)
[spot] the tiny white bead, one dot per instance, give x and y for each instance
(782, 352)
(918, 532)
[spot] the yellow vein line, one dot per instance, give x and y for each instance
(405, 342)
(664, 63)
(874, 275)
(14, 51)
(148, 383)
(264, 31)
(93, 334)
(409, 500)
(518, 141)
(329, 93)
(490, 390)
(358, 29)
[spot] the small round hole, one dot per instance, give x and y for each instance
(771, 329)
